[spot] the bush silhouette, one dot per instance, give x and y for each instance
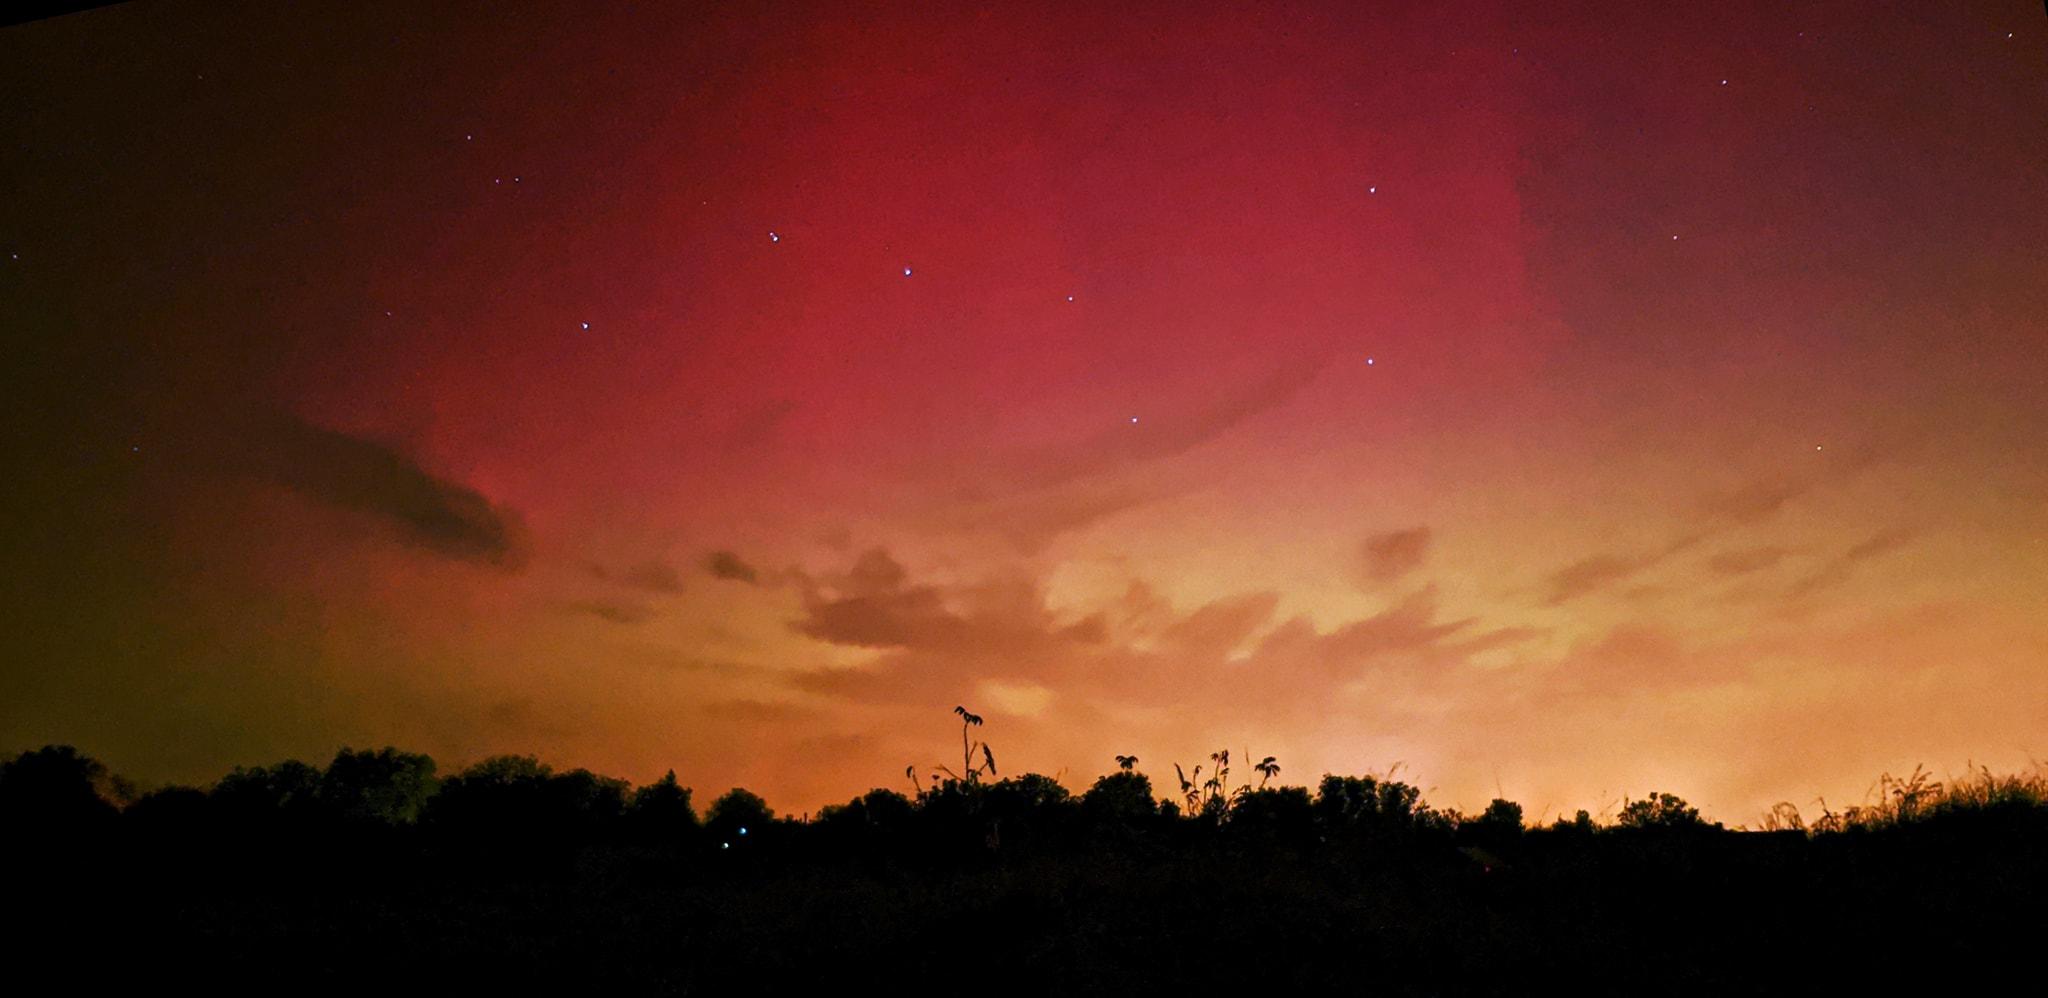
(1659, 811)
(1120, 798)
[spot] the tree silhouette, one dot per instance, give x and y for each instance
(738, 816)
(1125, 762)
(53, 789)
(385, 786)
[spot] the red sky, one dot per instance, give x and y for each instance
(1562, 401)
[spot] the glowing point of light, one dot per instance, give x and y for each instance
(1724, 83)
(743, 829)
(1070, 297)
(773, 238)
(586, 325)
(466, 138)
(1372, 190)
(725, 845)
(1816, 446)
(906, 271)
(1134, 419)
(1368, 362)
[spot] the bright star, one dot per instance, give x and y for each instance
(1368, 362)
(586, 325)
(1134, 419)
(906, 271)
(773, 238)
(1372, 190)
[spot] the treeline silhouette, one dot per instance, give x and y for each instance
(377, 867)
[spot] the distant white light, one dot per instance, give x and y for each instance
(1724, 83)
(743, 829)
(466, 138)
(1134, 419)
(586, 325)
(773, 238)
(906, 271)
(1070, 297)
(725, 845)
(1368, 362)
(1372, 190)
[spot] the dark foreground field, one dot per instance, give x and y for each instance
(1012, 887)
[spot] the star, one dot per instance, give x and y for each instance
(906, 271)
(1368, 362)
(466, 138)
(586, 325)
(773, 238)
(1372, 190)
(1724, 83)
(1134, 419)
(1070, 297)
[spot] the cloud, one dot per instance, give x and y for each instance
(352, 473)
(1748, 560)
(1752, 503)
(727, 565)
(869, 606)
(757, 711)
(1597, 572)
(1168, 434)
(653, 576)
(1634, 659)
(617, 613)
(960, 642)
(1839, 569)
(1391, 555)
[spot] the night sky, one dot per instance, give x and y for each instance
(1563, 402)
